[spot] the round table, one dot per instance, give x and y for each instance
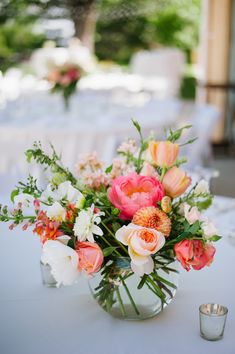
(36, 319)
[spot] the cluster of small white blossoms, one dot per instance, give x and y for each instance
(192, 214)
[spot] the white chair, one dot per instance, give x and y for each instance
(162, 69)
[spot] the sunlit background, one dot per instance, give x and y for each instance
(166, 63)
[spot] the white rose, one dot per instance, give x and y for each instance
(63, 261)
(202, 187)
(209, 229)
(56, 212)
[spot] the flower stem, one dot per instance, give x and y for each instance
(108, 243)
(120, 301)
(129, 295)
(112, 234)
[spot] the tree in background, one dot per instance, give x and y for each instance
(118, 27)
(135, 25)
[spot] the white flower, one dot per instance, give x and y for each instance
(56, 212)
(65, 191)
(25, 200)
(68, 192)
(202, 187)
(209, 229)
(63, 261)
(86, 225)
(191, 214)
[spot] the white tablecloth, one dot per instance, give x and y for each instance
(36, 320)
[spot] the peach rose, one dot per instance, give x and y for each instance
(90, 257)
(163, 153)
(132, 192)
(194, 253)
(141, 242)
(175, 182)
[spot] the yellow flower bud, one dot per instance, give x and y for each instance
(166, 204)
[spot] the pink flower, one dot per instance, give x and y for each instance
(194, 253)
(90, 257)
(73, 74)
(132, 192)
(149, 170)
(175, 182)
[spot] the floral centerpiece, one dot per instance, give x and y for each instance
(125, 227)
(64, 80)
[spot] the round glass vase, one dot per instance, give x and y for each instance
(47, 278)
(125, 295)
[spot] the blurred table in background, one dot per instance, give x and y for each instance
(98, 119)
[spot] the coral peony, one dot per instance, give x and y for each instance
(194, 253)
(153, 218)
(132, 192)
(90, 257)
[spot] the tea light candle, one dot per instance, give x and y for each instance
(212, 321)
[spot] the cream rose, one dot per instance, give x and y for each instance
(142, 242)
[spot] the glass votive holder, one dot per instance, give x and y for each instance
(212, 321)
(47, 278)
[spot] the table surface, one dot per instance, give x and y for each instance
(36, 319)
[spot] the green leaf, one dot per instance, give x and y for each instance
(137, 126)
(194, 228)
(29, 155)
(71, 243)
(177, 133)
(205, 204)
(115, 211)
(142, 282)
(109, 250)
(14, 193)
(215, 238)
(109, 169)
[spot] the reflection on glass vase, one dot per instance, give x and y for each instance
(47, 278)
(125, 295)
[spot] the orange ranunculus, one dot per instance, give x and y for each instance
(163, 153)
(175, 182)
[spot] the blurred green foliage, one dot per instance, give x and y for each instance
(17, 41)
(123, 26)
(143, 25)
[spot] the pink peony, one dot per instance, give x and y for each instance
(132, 192)
(90, 257)
(194, 253)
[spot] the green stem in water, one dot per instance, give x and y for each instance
(120, 301)
(130, 297)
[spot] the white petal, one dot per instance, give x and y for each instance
(136, 258)
(63, 261)
(142, 269)
(97, 230)
(122, 235)
(90, 237)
